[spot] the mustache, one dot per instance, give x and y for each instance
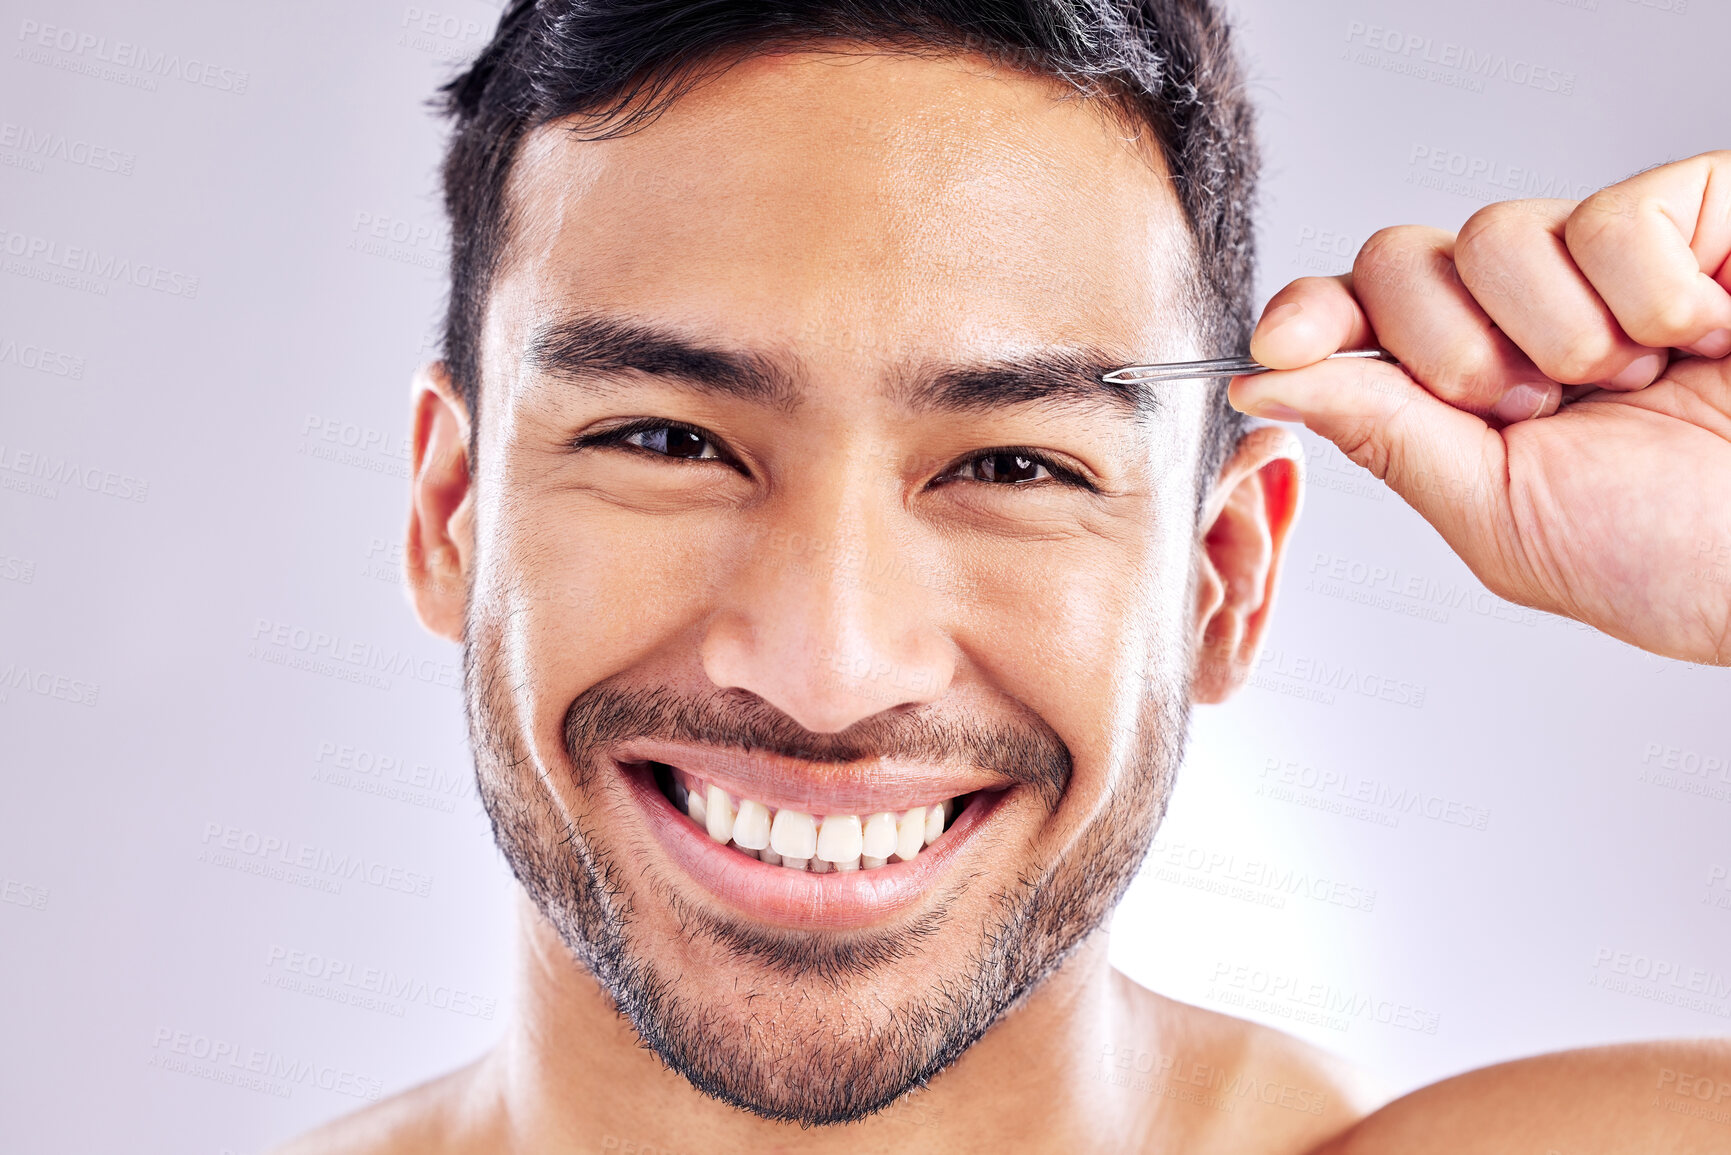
(1023, 751)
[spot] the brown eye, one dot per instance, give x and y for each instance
(1007, 468)
(672, 441)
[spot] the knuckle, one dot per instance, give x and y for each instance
(1471, 370)
(1668, 321)
(1484, 247)
(1365, 447)
(1605, 217)
(1491, 226)
(1581, 360)
(1389, 254)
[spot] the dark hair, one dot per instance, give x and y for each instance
(614, 64)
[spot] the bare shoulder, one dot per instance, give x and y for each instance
(1670, 1096)
(445, 1116)
(1239, 1086)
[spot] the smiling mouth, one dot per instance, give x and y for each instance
(801, 841)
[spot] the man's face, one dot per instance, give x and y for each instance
(792, 483)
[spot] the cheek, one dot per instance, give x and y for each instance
(1082, 638)
(579, 591)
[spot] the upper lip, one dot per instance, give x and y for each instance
(867, 786)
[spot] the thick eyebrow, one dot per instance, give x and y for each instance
(1060, 377)
(590, 345)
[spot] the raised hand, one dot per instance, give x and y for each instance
(1562, 412)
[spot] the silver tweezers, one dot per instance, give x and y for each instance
(1219, 367)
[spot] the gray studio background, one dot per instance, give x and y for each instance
(1437, 830)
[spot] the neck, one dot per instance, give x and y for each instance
(571, 1074)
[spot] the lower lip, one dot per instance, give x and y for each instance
(835, 900)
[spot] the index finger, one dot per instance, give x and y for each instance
(1307, 321)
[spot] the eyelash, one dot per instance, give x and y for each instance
(1058, 474)
(619, 437)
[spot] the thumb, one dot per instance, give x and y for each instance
(1447, 464)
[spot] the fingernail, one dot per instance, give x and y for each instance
(1641, 371)
(1714, 345)
(1521, 403)
(1275, 411)
(1277, 317)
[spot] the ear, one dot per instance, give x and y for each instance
(1247, 520)
(441, 541)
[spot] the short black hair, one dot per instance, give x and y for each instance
(611, 65)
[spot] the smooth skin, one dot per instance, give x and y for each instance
(965, 212)
(1614, 511)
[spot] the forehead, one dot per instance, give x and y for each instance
(860, 205)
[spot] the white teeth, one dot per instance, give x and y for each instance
(720, 808)
(911, 833)
(799, 841)
(879, 839)
(839, 838)
(793, 835)
(751, 824)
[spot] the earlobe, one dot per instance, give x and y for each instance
(440, 541)
(1246, 526)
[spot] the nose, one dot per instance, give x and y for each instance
(830, 622)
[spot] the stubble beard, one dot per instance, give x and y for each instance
(822, 1029)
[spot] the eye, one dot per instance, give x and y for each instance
(660, 438)
(1012, 467)
(672, 441)
(1007, 468)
